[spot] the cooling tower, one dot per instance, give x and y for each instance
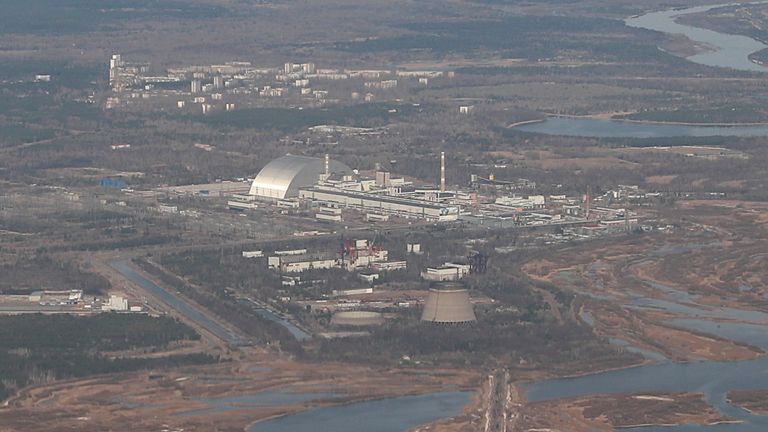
(448, 306)
(357, 318)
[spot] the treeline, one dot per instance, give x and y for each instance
(292, 119)
(43, 272)
(531, 37)
(496, 339)
(103, 332)
(724, 114)
(37, 349)
(53, 17)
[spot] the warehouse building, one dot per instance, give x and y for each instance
(301, 263)
(446, 272)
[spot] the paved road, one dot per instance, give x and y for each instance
(498, 399)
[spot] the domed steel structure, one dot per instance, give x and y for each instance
(282, 178)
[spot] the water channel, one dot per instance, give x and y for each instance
(722, 49)
(179, 304)
(713, 379)
(397, 414)
(266, 398)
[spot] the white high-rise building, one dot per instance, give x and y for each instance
(115, 67)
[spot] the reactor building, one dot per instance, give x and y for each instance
(448, 304)
(282, 177)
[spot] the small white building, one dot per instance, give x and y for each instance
(369, 277)
(446, 272)
(115, 303)
(414, 248)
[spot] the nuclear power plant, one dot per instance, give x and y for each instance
(448, 304)
(330, 185)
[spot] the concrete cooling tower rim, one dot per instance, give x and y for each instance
(448, 306)
(357, 318)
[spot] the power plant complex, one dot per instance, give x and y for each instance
(330, 184)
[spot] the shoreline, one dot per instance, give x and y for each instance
(525, 122)
(649, 122)
(328, 403)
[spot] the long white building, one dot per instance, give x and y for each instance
(400, 206)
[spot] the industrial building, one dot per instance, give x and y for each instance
(282, 178)
(367, 202)
(300, 263)
(116, 303)
(448, 305)
(358, 254)
(51, 297)
(446, 272)
(329, 189)
(355, 255)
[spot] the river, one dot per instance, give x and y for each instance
(713, 379)
(723, 50)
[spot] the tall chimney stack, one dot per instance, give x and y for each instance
(327, 165)
(442, 171)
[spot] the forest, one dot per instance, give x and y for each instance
(37, 349)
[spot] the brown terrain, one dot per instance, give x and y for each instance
(754, 401)
(606, 413)
(153, 401)
(606, 275)
(700, 264)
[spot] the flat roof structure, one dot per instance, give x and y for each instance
(401, 206)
